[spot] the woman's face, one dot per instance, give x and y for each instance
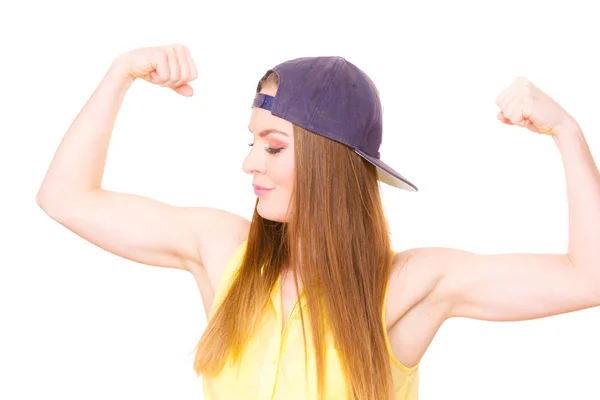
(271, 161)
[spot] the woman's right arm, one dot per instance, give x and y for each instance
(128, 225)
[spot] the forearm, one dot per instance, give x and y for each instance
(78, 164)
(583, 193)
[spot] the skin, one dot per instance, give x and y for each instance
(427, 286)
(271, 161)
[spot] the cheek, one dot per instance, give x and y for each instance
(289, 175)
(282, 172)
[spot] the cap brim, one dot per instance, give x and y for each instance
(388, 175)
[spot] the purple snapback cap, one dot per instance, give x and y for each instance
(333, 98)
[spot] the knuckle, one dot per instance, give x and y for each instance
(161, 79)
(523, 82)
(181, 57)
(527, 98)
(164, 77)
(160, 56)
(177, 48)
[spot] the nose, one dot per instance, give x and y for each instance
(254, 163)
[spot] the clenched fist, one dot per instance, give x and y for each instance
(523, 104)
(169, 66)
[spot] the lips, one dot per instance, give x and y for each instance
(257, 187)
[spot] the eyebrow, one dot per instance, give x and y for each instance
(265, 132)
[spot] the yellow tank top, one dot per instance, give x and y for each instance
(272, 367)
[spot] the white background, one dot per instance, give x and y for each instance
(77, 322)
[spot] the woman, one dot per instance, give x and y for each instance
(307, 300)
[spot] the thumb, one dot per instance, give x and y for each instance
(503, 119)
(184, 90)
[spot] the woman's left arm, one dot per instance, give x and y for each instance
(510, 287)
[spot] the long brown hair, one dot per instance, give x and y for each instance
(337, 241)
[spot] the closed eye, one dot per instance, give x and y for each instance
(269, 150)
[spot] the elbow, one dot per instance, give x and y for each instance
(41, 199)
(45, 199)
(48, 204)
(52, 204)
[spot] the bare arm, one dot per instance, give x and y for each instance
(131, 226)
(512, 287)
(526, 286)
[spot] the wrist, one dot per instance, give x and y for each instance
(568, 129)
(569, 139)
(118, 72)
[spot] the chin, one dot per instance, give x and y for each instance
(270, 214)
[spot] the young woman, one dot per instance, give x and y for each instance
(308, 300)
